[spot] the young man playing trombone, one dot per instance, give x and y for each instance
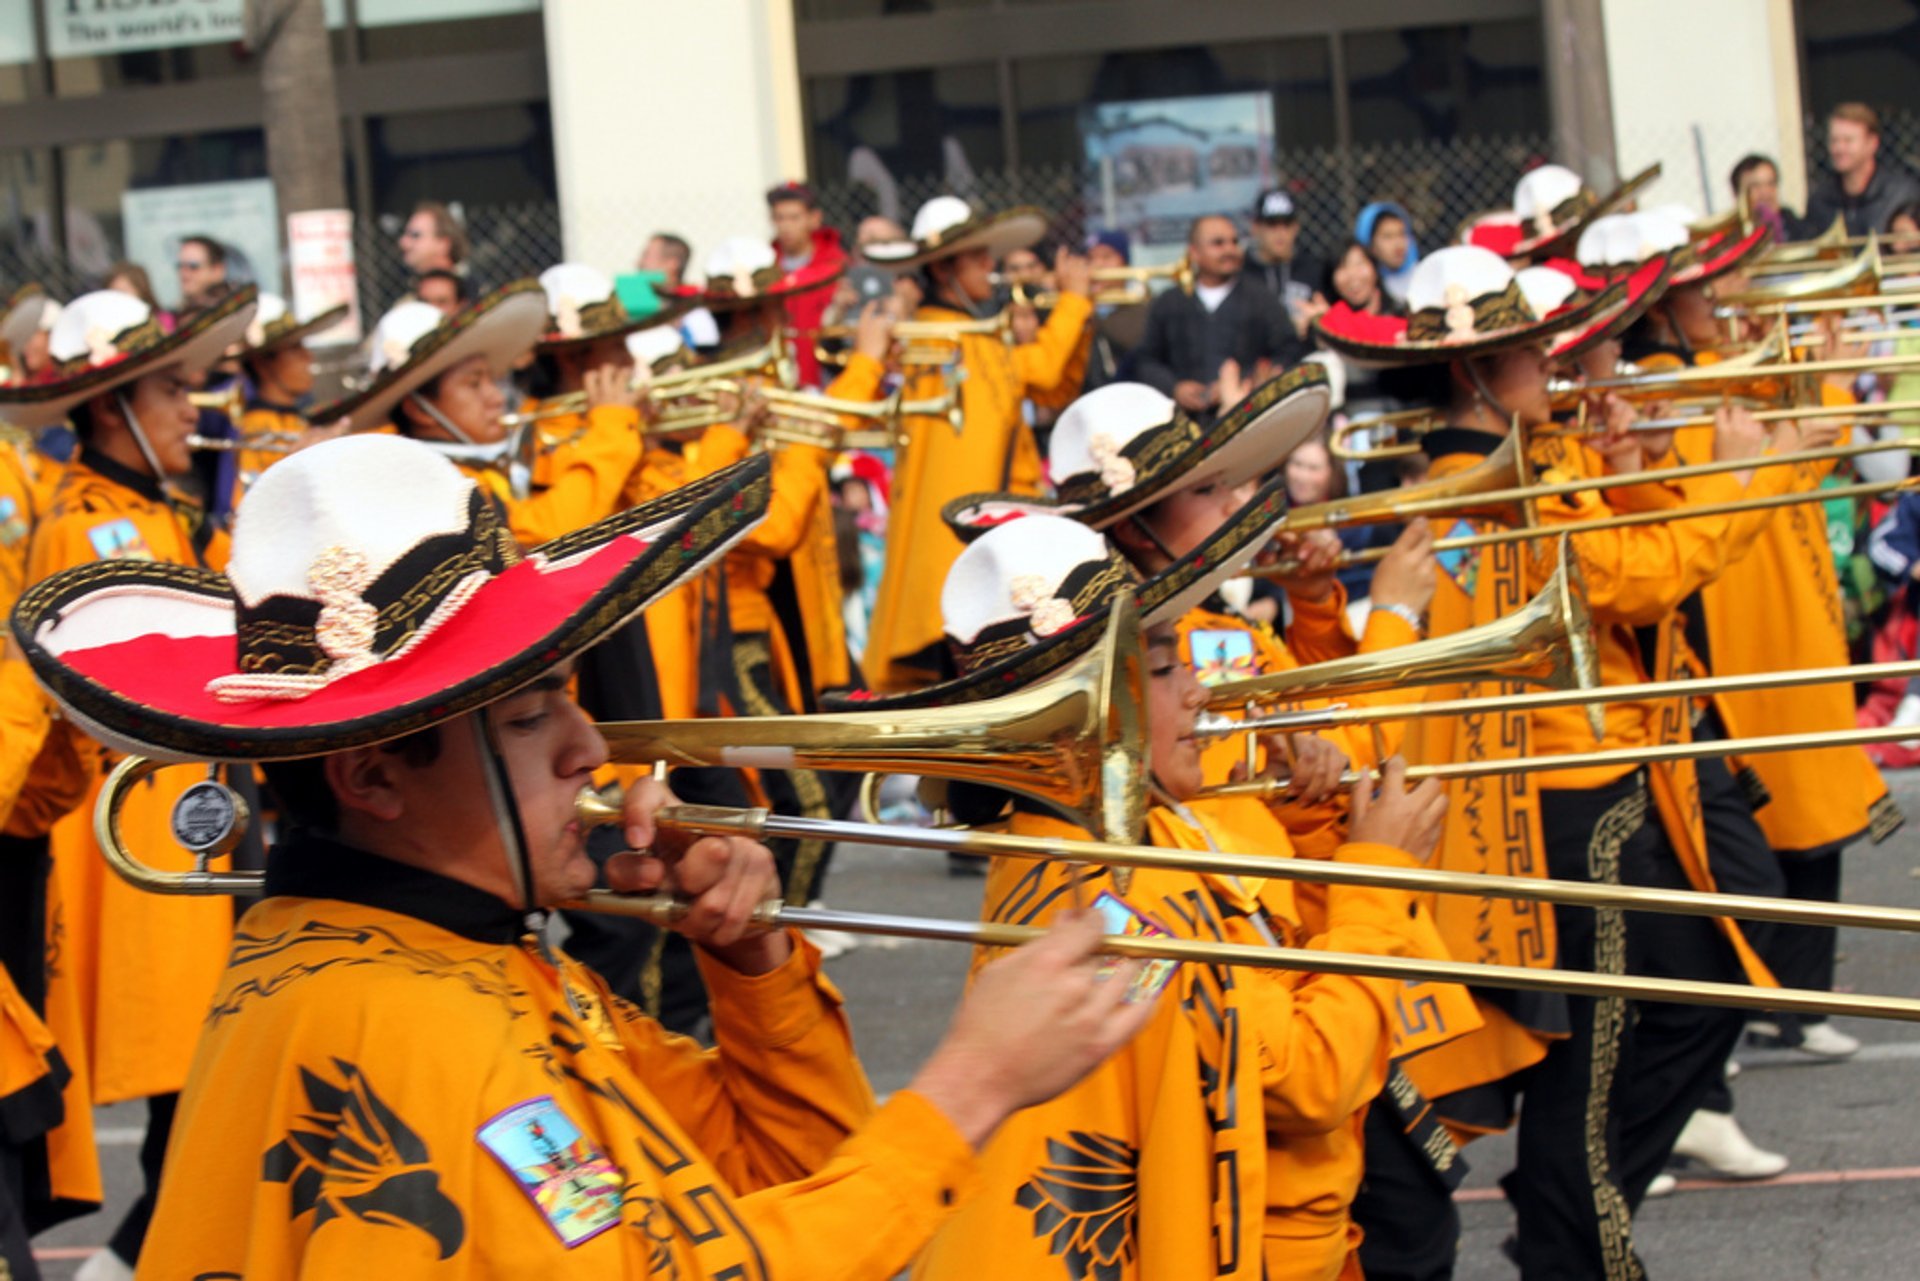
(399, 1075)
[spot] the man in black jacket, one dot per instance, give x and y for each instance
(1227, 317)
(1289, 271)
(1866, 187)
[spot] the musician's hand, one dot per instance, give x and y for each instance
(1808, 433)
(1025, 323)
(1315, 556)
(1314, 766)
(1405, 818)
(1072, 273)
(1737, 434)
(723, 878)
(1406, 574)
(873, 335)
(1032, 1024)
(610, 385)
(320, 435)
(1194, 397)
(1233, 385)
(1624, 449)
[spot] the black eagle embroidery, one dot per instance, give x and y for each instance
(352, 1157)
(1084, 1199)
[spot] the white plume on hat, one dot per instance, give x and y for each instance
(1015, 572)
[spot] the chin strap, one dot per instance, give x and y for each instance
(1139, 521)
(1485, 393)
(140, 437)
(433, 411)
(506, 814)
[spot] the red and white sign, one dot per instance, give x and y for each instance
(320, 253)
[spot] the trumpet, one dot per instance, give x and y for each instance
(809, 418)
(1078, 737)
(232, 401)
(264, 442)
(998, 326)
(773, 360)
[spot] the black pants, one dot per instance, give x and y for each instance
(16, 1249)
(1803, 955)
(132, 1232)
(1407, 1212)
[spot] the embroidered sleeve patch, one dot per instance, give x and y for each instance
(118, 540)
(13, 526)
(1222, 655)
(571, 1182)
(1120, 919)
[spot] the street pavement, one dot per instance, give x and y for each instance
(1844, 1209)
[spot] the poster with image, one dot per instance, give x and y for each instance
(1156, 165)
(240, 215)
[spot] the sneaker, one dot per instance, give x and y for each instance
(104, 1265)
(1824, 1040)
(1733, 1068)
(1715, 1141)
(1663, 1185)
(831, 943)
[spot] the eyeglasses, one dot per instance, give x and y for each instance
(190, 266)
(413, 233)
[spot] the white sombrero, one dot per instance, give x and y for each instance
(948, 225)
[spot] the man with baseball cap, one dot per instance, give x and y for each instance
(1277, 258)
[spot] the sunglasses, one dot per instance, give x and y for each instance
(190, 266)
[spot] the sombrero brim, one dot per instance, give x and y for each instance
(1162, 597)
(1563, 237)
(1633, 296)
(298, 334)
(1243, 444)
(1379, 355)
(999, 234)
(788, 287)
(198, 342)
(501, 326)
(1717, 258)
(672, 307)
(128, 647)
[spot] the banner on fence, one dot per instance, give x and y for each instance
(1158, 164)
(320, 256)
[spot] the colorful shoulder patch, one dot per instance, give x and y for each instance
(572, 1183)
(13, 526)
(119, 540)
(1118, 918)
(1222, 654)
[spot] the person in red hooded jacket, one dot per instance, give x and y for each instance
(808, 251)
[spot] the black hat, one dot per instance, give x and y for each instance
(1275, 205)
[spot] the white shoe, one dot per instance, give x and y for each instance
(1733, 1068)
(1662, 1185)
(1716, 1141)
(104, 1265)
(1826, 1041)
(831, 943)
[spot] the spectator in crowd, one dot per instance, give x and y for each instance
(1026, 268)
(808, 250)
(1289, 271)
(1903, 229)
(442, 289)
(1756, 181)
(668, 255)
(1386, 229)
(433, 240)
(1866, 187)
(1352, 278)
(1229, 318)
(1118, 328)
(132, 278)
(876, 229)
(202, 268)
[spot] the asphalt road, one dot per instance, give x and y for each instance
(1844, 1209)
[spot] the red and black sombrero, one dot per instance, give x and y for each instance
(1126, 446)
(744, 272)
(1624, 299)
(373, 591)
(1007, 634)
(1551, 205)
(1464, 301)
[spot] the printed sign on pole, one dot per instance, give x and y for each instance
(320, 252)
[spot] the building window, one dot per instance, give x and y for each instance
(1439, 83)
(937, 121)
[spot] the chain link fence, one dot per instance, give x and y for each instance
(1440, 183)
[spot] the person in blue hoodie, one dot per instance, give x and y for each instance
(1386, 229)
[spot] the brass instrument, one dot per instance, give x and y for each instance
(1770, 381)
(998, 326)
(1831, 243)
(265, 442)
(809, 418)
(772, 360)
(232, 402)
(1887, 410)
(1853, 279)
(1815, 306)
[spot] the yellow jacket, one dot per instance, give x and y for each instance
(381, 1095)
(1224, 1140)
(994, 450)
(577, 483)
(258, 419)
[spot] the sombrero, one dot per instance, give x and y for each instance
(275, 326)
(583, 307)
(372, 592)
(107, 339)
(414, 343)
(1550, 207)
(1033, 593)
(1126, 446)
(1635, 237)
(948, 225)
(25, 313)
(744, 272)
(1464, 301)
(1624, 299)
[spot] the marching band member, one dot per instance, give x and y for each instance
(994, 449)
(135, 971)
(401, 1076)
(279, 369)
(1470, 319)
(1225, 1140)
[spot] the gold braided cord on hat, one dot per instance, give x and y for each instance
(131, 341)
(1093, 587)
(1492, 313)
(1150, 452)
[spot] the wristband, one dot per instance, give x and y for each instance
(1407, 615)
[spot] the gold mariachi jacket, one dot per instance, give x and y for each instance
(575, 484)
(409, 1086)
(994, 450)
(1224, 1140)
(1635, 577)
(1778, 607)
(18, 508)
(261, 418)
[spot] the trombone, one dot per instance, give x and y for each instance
(773, 359)
(1077, 742)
